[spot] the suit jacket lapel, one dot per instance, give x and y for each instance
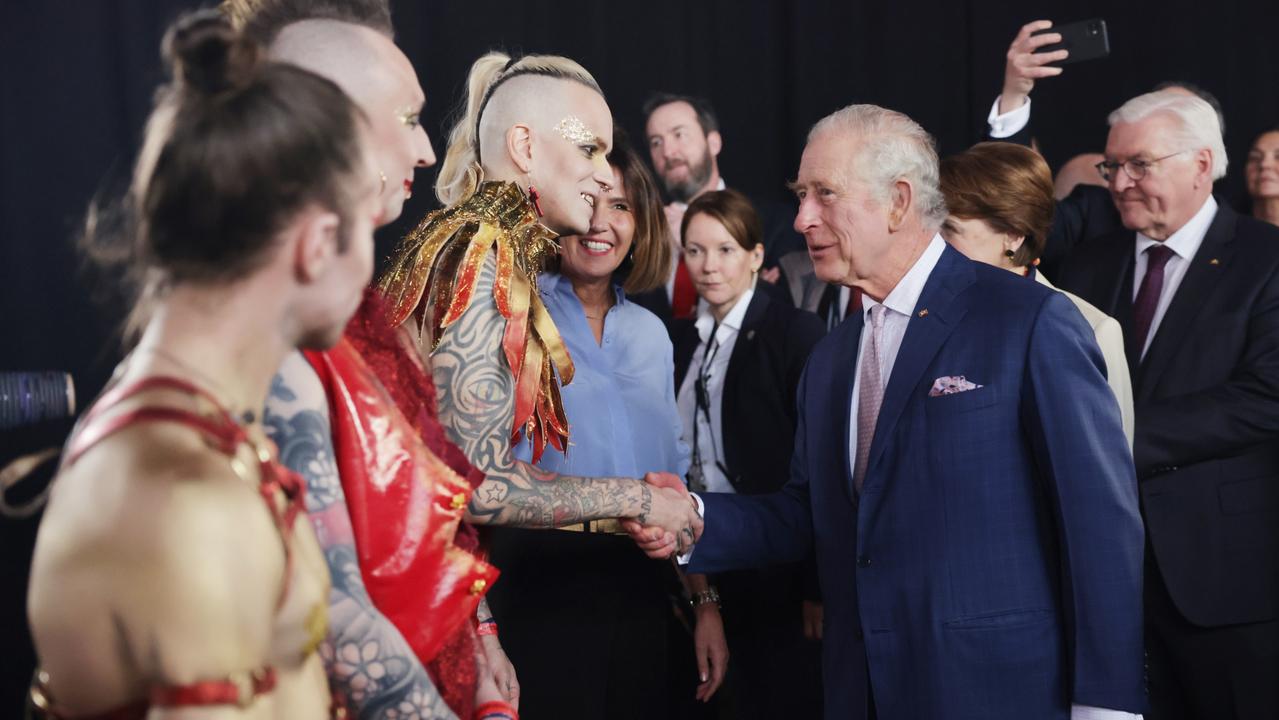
(741, 347)
(1110, 288)
(945, 305)
(685, 344)
(844, 376)
(1200, 280)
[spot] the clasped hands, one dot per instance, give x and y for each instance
(672, 525)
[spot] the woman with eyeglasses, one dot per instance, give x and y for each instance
(737, 367)
(1000, 198)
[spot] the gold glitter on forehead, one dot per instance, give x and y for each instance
(575, 131)
(409, 115)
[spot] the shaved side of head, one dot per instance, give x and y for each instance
(538, 101)
(343, 53)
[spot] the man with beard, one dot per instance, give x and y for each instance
(683, 138)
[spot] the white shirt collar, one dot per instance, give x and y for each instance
(1186, 241)
(732, 321)
(903, 298)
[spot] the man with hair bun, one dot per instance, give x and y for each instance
(176, 572)
(960, 465)
(1196, 288)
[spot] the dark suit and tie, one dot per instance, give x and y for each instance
(1206, 392)
(980, 556)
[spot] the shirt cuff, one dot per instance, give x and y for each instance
(1086, 712)
(1011, 122)
(701, 513)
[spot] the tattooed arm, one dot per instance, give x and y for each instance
(503, 671)
(476, 395)
(367, 659)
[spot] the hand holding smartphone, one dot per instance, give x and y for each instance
(1084, 40)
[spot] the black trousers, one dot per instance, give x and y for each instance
(585, 619)
(773, 670)
(1198, 673)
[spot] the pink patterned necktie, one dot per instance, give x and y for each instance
(870, 395)
(1152, 285)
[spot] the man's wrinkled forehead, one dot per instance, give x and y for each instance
(828, 159)
(1153, 135)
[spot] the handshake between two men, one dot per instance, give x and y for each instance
(671, 524)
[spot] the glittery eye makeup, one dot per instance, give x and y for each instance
(410, 117)
(575, 131)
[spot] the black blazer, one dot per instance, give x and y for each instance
(758, 406)
(1207, 414)
(1087, 212)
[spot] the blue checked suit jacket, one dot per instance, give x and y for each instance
(992, 566)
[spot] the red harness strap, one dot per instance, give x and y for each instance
(240, 689)
(222, 431)
(226, 436)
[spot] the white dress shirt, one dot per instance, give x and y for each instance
(710, 435)
(900, 305)
(1010, 123)
(1184, 244)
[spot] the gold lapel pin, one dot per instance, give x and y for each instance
(1214, 261)
(923, 313)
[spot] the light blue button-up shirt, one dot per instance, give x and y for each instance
(621, 404)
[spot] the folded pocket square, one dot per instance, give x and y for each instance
(949, 385)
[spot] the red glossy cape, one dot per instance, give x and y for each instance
(405, 500)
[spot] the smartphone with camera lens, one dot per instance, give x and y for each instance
(1085, 40)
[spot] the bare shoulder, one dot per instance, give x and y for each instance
(154, 499)
(147, 479)
(156, 554)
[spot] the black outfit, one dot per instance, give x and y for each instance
(773, 671)
(1087, 212)
(1206, 451)
(589, 633)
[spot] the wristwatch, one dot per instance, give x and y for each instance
(706, 597)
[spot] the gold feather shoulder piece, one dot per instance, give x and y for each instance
(435, 269)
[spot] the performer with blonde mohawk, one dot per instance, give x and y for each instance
(526, 162)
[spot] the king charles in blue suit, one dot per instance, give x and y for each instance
(990, 564)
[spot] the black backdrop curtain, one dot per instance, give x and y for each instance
(77, 79)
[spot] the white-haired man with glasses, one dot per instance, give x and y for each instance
(1196, 288)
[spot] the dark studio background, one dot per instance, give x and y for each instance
(78, 75)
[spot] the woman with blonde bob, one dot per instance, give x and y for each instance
(1000, 199)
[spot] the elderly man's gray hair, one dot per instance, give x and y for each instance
(1198, 125)
(892, 147)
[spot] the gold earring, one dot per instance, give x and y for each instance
(382, 176)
